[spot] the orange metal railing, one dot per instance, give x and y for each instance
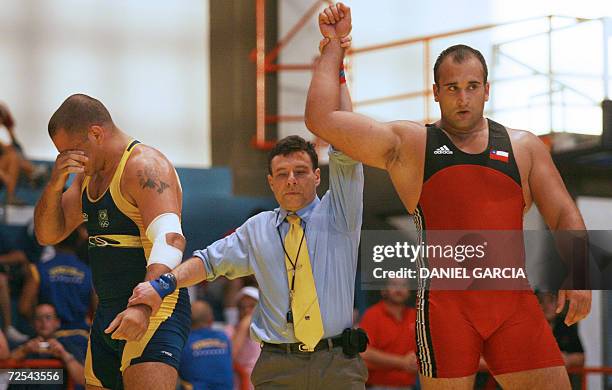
(584, 372)
(266, 63)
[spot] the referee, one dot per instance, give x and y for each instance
(304, 257)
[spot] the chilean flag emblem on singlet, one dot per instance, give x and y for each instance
(499, 155)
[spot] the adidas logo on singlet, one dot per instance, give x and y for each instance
(443, 150)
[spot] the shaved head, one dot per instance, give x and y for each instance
(77, 113)
(460, 54)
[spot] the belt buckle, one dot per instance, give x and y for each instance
(303, 348)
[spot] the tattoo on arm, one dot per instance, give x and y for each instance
(149, 178)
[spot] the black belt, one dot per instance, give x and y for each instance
(329, 343)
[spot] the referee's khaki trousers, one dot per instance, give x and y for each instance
(325, 369)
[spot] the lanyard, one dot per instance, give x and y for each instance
(297, 256)
(289, 316)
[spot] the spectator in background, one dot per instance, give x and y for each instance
(9, 174)
(32, 249)
(390, 325)
(230, 299)
(233, 286)
(5, 352)
(13, 162)
(566, 336)
(206, 362)
(222, 293)
(245, 351)
(9, 158)
(69, 346)
(63, 280)
(13, 268)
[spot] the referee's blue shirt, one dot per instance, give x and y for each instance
(332, 226)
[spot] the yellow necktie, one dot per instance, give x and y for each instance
(307, 321)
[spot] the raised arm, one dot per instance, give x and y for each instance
(58, 213)
(346, 175)
(345, 130)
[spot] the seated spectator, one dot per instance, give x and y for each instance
(63, 280)
(231, 296)
(206, 362)
(68, 346)
(390, 325)
(231, 287)
(9, 173)
(29, 243)
(245, 351)
(13, 267)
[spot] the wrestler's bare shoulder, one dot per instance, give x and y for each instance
(524, 139)
(412, 137)
(527, 148)
(146, 168)
(409, 150)
(147, 156)
(409, 129)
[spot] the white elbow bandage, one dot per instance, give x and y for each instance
(162, 252)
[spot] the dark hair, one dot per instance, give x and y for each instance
(292, 144)
(460, 54)
(47, 303)
(77, 113)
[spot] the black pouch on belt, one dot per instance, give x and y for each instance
(354, 341)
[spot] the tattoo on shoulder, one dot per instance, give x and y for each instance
(150, 178)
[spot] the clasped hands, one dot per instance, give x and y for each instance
(335, 23)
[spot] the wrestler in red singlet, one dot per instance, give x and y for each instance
(481, 191)
(463, 191)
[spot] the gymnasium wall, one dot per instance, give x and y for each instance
(147, 61)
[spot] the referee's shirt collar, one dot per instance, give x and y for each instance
(303, 213)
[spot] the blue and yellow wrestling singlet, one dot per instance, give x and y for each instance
(118, 252)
